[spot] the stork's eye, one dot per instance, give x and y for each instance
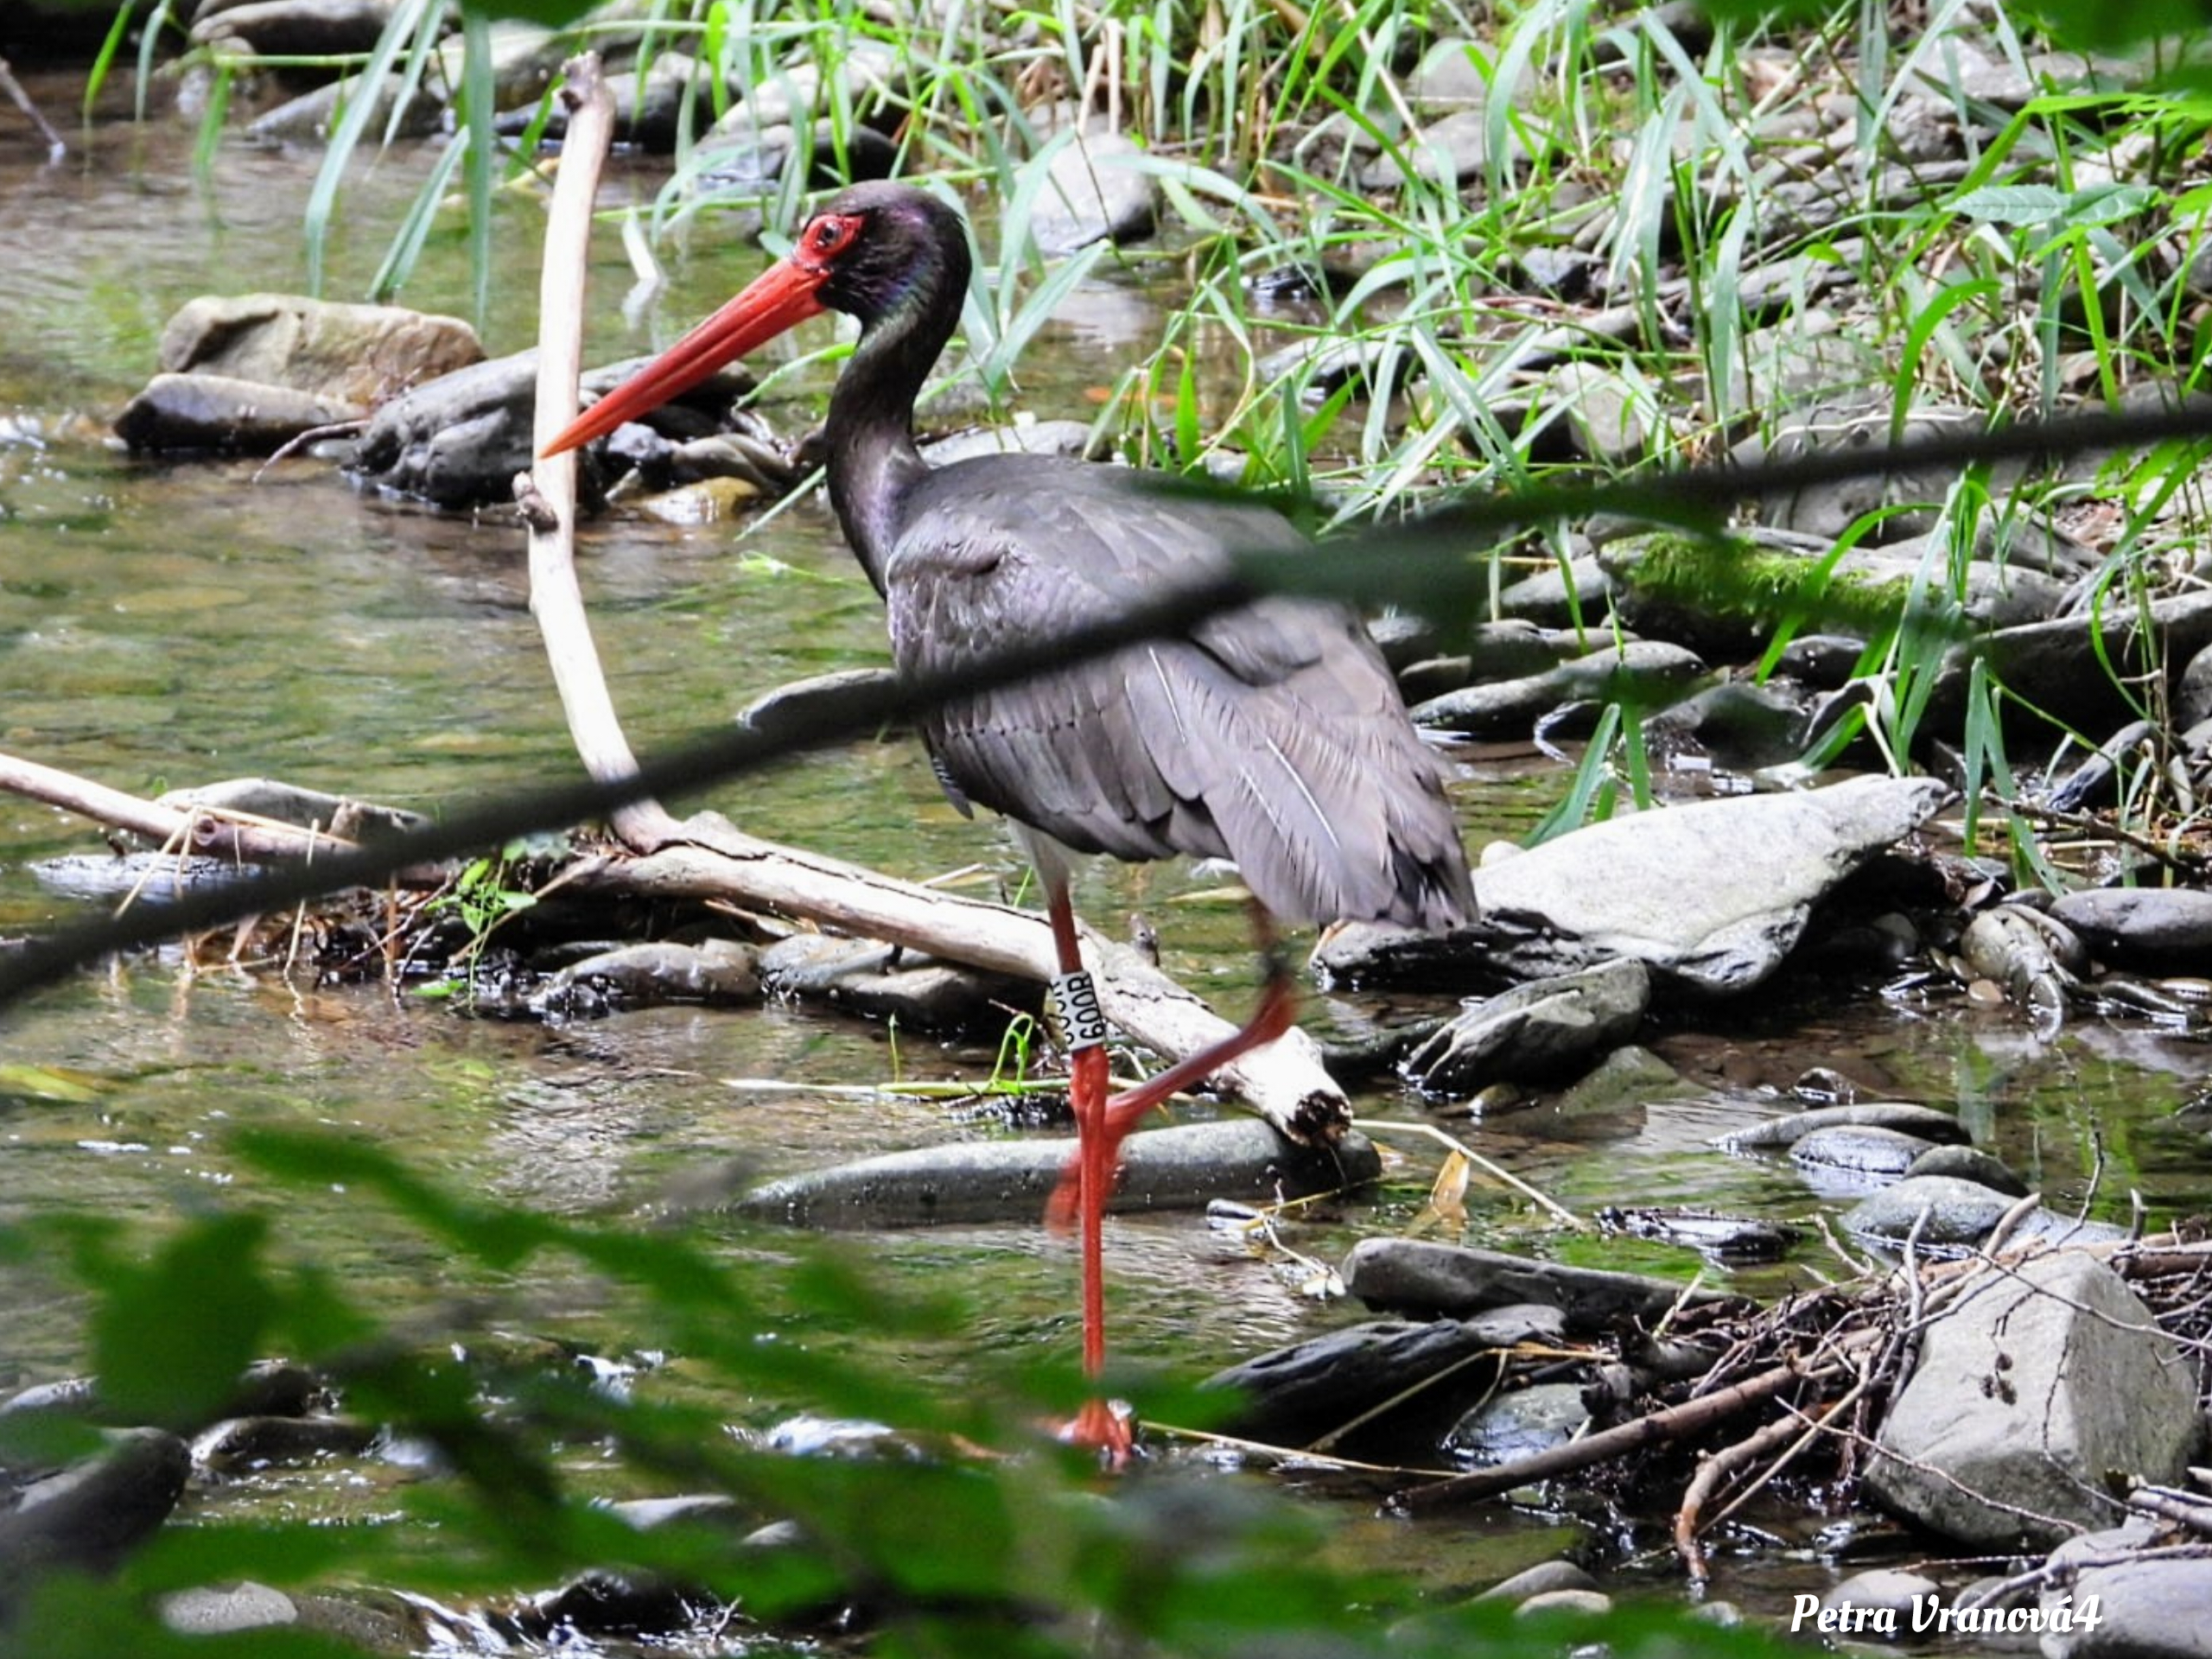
(828, 235)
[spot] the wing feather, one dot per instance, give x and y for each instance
(1272, 734)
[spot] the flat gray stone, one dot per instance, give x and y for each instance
(220, 412)
(2032, 1391)
(1649, 670)
(1925, 1121)
(1421, 1276)
(208, 1610)
(1179, 1168)
(2144, 1609)
(1093, 194)
(1544, 1028)
(1712, 895)
(352, 354)
(1294, 1393)
(1518, 1424)
(2155, 929)
(1872, 1155)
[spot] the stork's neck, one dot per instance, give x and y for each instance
(870, 431)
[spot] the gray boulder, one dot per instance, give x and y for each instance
(1540, 1029)
(354, 354)
(1420, 1276)
(2156, 928)
(2112, 1602)
(1712, 895)
(2033, 1389)
(1094, 194)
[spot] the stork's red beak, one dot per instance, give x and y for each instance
(781, 297)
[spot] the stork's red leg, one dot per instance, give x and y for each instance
(1097, 1156)
(1097, 1425)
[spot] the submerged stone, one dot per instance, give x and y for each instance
(1418, 1275)
(1179, 1168)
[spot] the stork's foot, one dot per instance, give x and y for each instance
(1106, 1426)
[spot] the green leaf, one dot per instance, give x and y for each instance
(2012, 203)
(171, 1339)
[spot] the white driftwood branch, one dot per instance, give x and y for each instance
(203, 831)
(555, 598)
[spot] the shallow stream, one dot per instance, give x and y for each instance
(169, 624)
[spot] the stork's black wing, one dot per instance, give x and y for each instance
(1273, 735)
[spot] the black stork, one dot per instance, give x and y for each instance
(1272, 735)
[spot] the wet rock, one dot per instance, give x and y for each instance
(1419, 1276)
(1969, 1164)
(819, 699)
(460, 440)
(269, 797)
(1730, 1239)
(1579, 1604)
(1540, 1580)
(1073, 439)
(307, 29)
(1872, 1155)
(211, 1611)
(1712, 895)
(1450, 151)
(351, 354)
(649, 103)
(274, 1388)
(238, 1444)
(90, 1515)
(142, 877)
(1740, 724)
(524, 58)
(1296, 1392)
(1519, 1424)
(2192, 692)
(2157, 930)
(1537, 1030)
(2097, 779)
(1183, 1167)
(1825, 660)
(1640, 670)
(1825, 511)
(2033, 1387)
(1948, 1213)
(869, 78)
(2065, 667)
(882, 982)
(1626, 1080)
(308, 118)
(1883, 1593)
(603, 1603)
(1557, 598)
(1610, 416)
(1094, 194)
(709, 501)
(2034, 958)
(1923, 1122)
(717, 972)
(2148, 1607)
(1958, 1215)
(733, 164)
(212, 411)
